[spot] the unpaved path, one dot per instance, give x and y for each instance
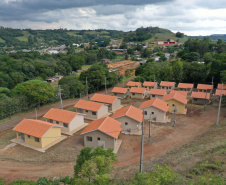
(163, 140)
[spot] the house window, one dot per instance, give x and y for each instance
(36, 139)
(87, 111)
(152, 113)
(88, 138)
(51, 121)
(115, 94)
(195, 99)
(57, 122)
(28, 136)
(173, 105)
(153, 96)
(94, 113)
(145, 113)
(65, 125)
(98, 138)
(169, 87)
(126, 123)
(133, 94)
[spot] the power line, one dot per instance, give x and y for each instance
(219, 108)
(142, 146)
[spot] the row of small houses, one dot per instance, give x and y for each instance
(103, 131)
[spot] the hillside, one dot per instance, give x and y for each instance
(212, 37)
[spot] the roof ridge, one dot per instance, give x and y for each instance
(49, 124)
(128, 110)
(102, 123)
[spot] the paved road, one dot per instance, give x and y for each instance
(40, 112)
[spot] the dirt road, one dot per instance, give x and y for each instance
(164, 139)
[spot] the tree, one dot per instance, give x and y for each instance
(179, 35)
(207, 58)
(223, 76)
(126, 56)
(146, 53)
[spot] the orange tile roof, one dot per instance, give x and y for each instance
(119, 90)
(158, 91)
(176, 96)
(220, 85)
(167, 84)
(149, 84)
(104, 98)
(129, 111)
(60, 115)
(106, 125)
(185, 85)
(200, 95)
(204, 86)
(36, 128)
(88, 105)
(133, 84)
(185, 93)
(218, 92)
(160, 104)
(137, 90)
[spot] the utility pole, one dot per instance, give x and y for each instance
(191, 106)
(150, 128)
(105, 85)
(36, 116)
(87, 87)
(80, 96)
(154, 79)
(142, 146)
(123, 81)
(212, 80)
(174, 110)
(219, 108)
(61, 102)
(205, 101)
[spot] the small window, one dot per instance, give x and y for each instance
(173, 105)
(133, 94)
(169, 87)
(87, 111)
(145, 113)
(65, 125)
(51, 121)
(195, 99)
(28, 136)
(94, 113)
(88, 138)
(153, 96)
(98, 138)
(115, 94)
(152, 113)
(126, 123)
(36, 139)
(57, 122)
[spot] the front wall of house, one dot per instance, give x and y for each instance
(199, 101)
(120, 95)
(76, 122)
(138, 96)
(109, 141)
(203, 90)
(160, 115)
(132, 124)
(31, 140)
(156, 96)
(183, 89)
(102, 112)
(88, 113)
(52, 135)
(116, 104)
(65, 129)
(180, 106)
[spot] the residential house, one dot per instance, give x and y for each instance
(185, 87)
(69, 120)
(133, 84)
(37, 133)
(139, 93)
(218, 92)
(178, 100)
(205, 88)
(200, 97)
(157, 93)
(150, 85)
(219, 86)
(113, 102)
(91, 110)
(167, 85)
(120, 92)
(102, 132)
(130, 117)
(155, 109)
(185, 93)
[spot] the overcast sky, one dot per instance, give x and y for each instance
(192, 17)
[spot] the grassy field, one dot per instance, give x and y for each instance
(166, 36)
(25, 37)
(1, 40)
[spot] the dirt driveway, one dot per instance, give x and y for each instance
(21, 163)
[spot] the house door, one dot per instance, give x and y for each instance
(22, 137)
(80, 110)
(101, 144)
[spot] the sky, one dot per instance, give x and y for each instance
(192, 17)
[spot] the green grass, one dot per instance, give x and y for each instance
(25, 37)
(1, 40)
(85, 67)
